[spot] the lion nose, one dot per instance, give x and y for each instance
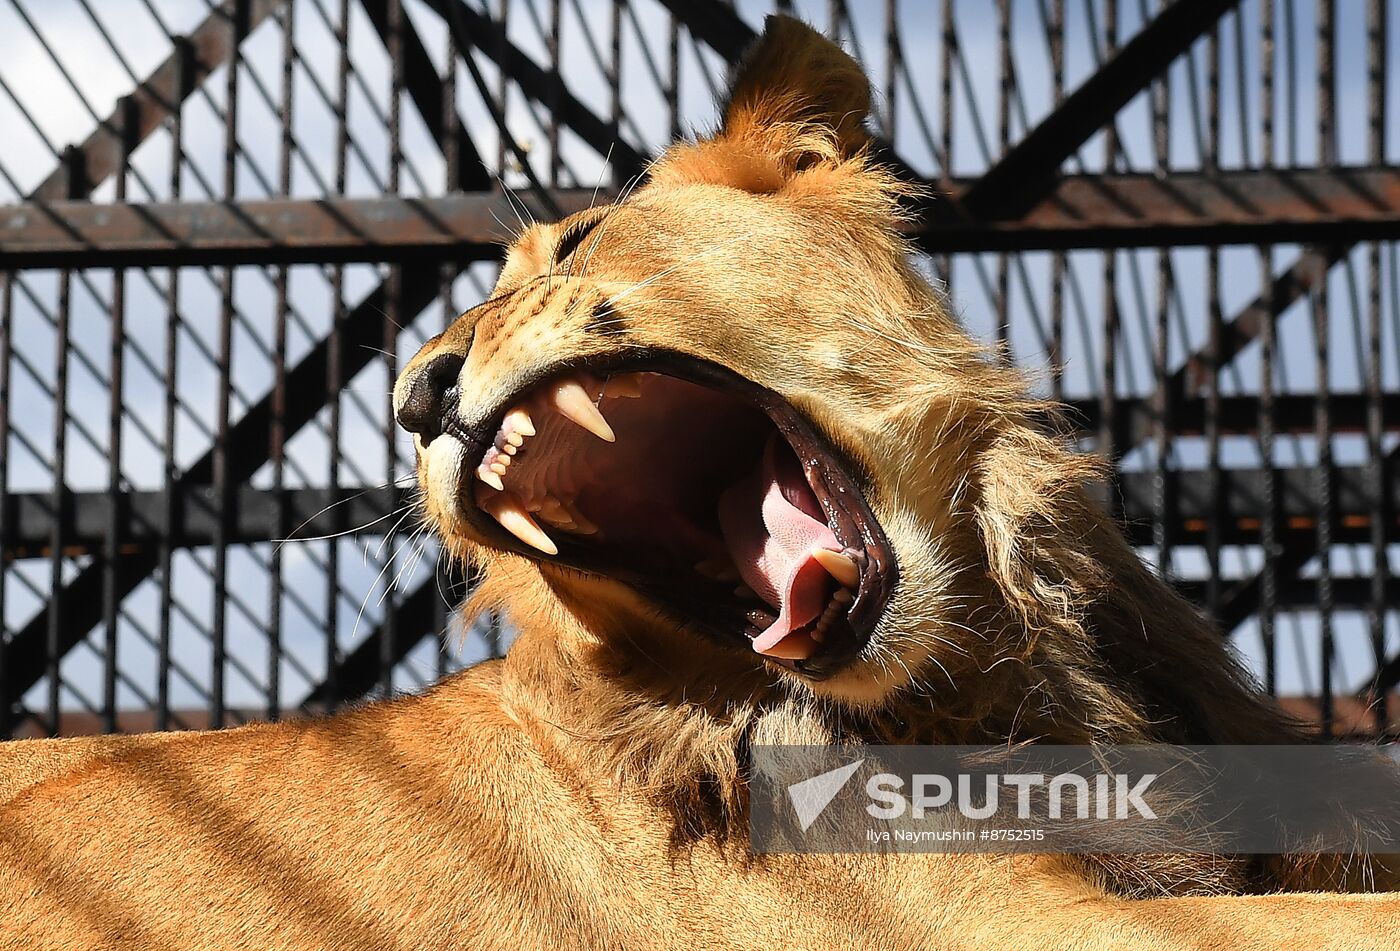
(429, 392)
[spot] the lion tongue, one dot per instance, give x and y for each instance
(773, 552)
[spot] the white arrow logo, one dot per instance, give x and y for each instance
(811, 796)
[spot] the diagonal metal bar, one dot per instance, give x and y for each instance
(204, 50)
(425, 88)
(415, 616)
(1023, 176)
(247, 444)
(475, 30)
(1026, 174)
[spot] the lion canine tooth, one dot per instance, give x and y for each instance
(839, 566)
(490, 478)
(507, 510)
(573, 401)
(518, 421)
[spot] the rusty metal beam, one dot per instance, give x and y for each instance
(1136, 420)
(1181, 209)
(1242, 207)
(456, 227)
(254, 514)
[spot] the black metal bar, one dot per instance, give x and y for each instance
(1106, 445)
(277, 435)
(1319, 299)
(116, 410)
(1268, 542)
(6, 324)
(1376, 22)
(1214, 322)
(388, 626)
(222, 483)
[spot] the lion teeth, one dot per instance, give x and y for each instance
(840, 566)
(573, 402)
(842, 596)
(490, 478)
(833, 607)
(507, 510)
(518, 421)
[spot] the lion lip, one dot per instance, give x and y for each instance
(570, 484)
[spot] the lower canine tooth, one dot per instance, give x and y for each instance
(507, 510)
(839, 566)
(490, 478)
(572, 400)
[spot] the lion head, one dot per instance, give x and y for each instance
(723, 428)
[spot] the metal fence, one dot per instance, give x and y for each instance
(225, 226)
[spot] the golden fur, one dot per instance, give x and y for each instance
(588, 791)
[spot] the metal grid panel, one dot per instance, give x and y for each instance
(1158, 209)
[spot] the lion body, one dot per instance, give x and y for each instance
(456, 820)
(588, 791)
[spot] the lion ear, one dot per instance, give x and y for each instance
(794, 75)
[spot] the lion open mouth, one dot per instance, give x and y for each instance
(708, 493)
